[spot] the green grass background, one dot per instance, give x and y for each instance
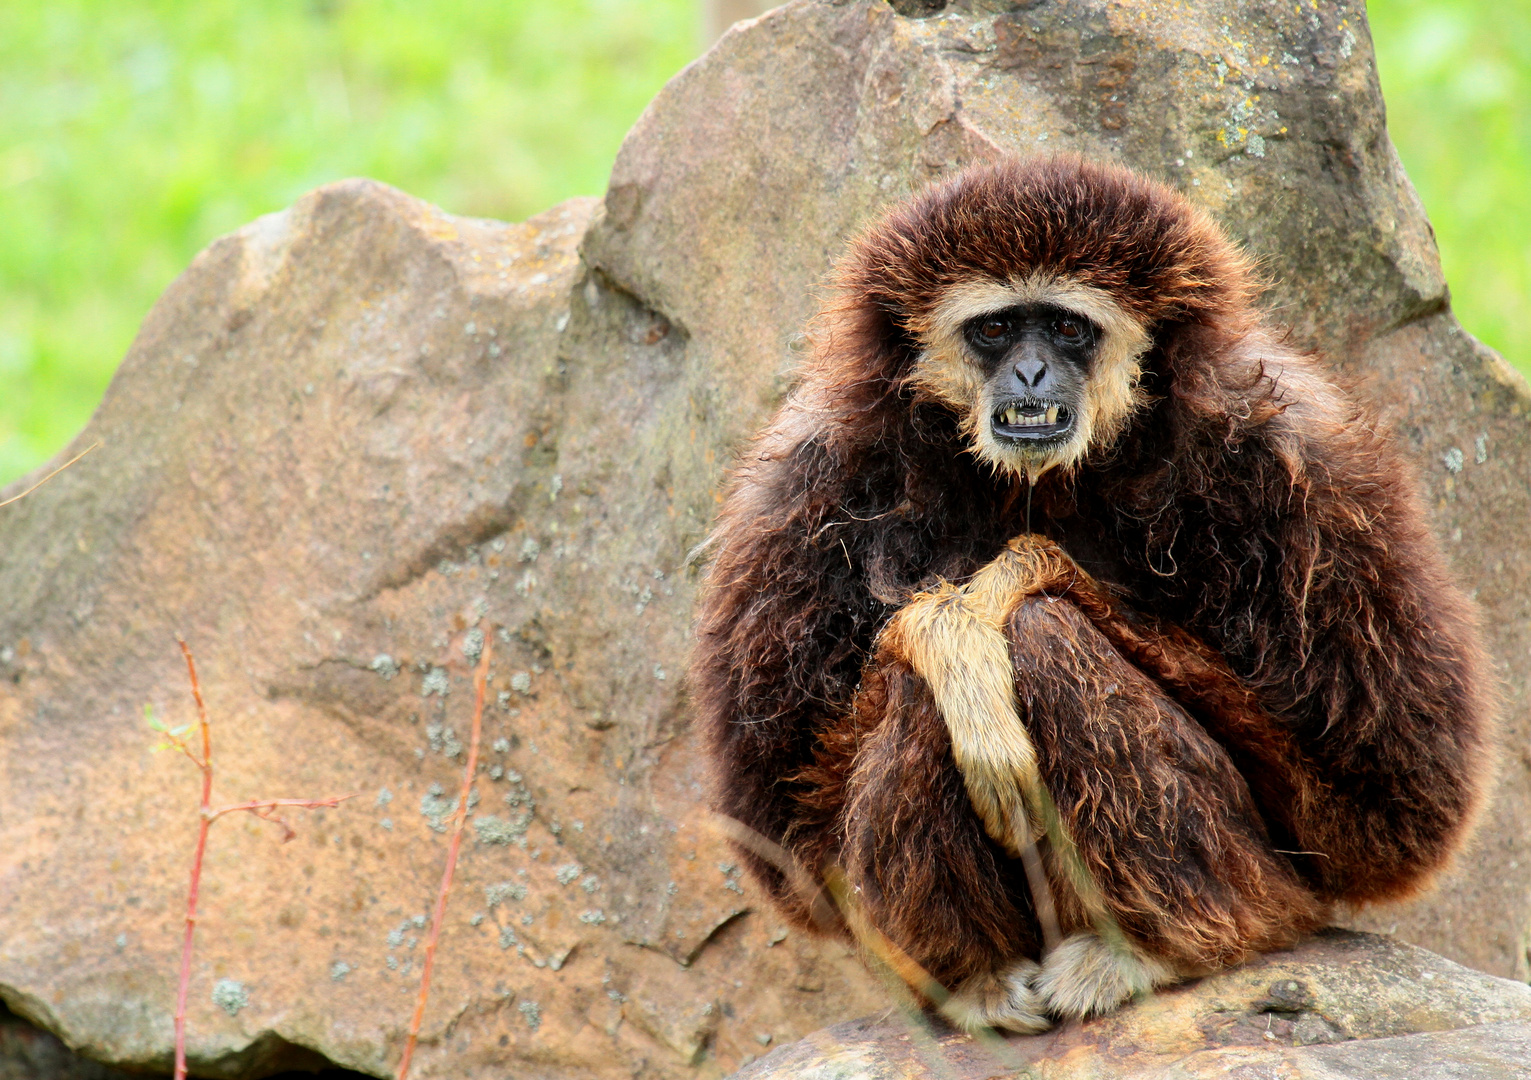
(132, 132)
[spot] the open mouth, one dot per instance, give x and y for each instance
(1031, 421)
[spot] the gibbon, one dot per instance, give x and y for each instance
(1087, 628)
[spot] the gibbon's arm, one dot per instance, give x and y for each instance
(1321, 585)
(784, 626)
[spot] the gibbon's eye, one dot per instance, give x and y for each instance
(1068, 329)
(993, 329)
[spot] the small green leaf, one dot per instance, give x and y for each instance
(153, 721)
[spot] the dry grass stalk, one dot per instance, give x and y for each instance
(50, 476)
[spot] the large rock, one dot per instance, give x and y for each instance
(353, 430)
(1345, 1005)
(346, 435)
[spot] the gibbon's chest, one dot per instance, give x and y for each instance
(1094, 544)
(1087, 544)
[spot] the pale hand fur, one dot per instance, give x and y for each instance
(1004, 999)
(1087, 976)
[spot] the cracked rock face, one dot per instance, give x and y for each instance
(355, 431)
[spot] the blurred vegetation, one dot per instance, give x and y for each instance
(132, 132)
(1456, 75)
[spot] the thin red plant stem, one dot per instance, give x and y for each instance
(480, 682)
(261, 804)
(206, 816)
(204, 822)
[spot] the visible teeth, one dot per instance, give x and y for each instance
(1015, 418)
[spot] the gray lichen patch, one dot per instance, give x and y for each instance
(495, 895)
(473, 645)
(730, 874)
(230, 995)
(437, 808)
(435, 682)
(518, 795)
(443, 740)
(492, 829)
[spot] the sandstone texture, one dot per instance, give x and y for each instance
(349, 437)
(358, 433)
(1343, 1005)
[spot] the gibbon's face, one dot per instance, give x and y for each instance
(1040, 372)
(1036, 360)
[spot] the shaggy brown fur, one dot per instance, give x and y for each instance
(1249, 687)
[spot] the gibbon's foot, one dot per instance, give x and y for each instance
(1002, 999)
(1087, 976)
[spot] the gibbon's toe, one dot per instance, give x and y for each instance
(1087, 976)
(1004, 999)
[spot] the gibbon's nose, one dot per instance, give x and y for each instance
(1030, 371)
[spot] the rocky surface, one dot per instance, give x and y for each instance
(354, 431)
(346, 438)
(1343, 1005)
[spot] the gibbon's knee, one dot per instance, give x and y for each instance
(921, 869)
(1167, 836)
